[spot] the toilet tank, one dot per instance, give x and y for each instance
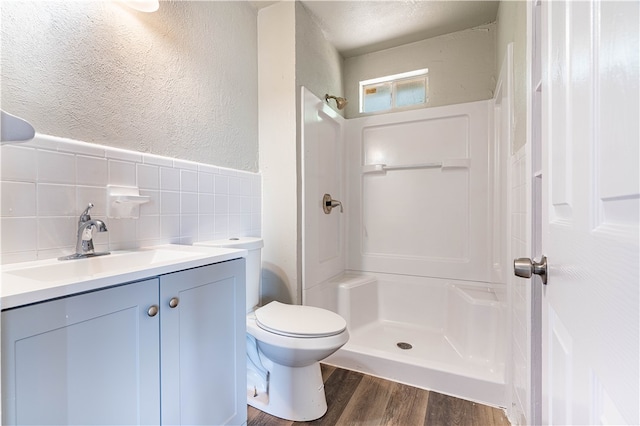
(254, 263)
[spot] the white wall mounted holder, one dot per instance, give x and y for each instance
(123, 202)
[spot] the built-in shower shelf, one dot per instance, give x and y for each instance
(452, 163)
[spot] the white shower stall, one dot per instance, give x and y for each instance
(413, 261)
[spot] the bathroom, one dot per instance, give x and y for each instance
(206, 126)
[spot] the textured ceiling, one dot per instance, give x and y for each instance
(359, 27)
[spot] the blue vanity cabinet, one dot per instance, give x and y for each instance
(166, 350)
(86, 359)
(203, 345)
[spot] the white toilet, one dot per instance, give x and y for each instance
(285, 344)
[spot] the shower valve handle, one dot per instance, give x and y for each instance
(329, 203)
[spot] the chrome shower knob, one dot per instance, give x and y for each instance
(329, 203)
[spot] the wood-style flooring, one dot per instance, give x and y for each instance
(359, 399)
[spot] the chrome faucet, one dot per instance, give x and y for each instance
(84, 243)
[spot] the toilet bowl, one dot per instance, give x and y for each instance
(285, 344)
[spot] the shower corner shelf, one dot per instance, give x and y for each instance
(123, 202)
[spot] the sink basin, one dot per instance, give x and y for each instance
(33, 282)
(115, 262)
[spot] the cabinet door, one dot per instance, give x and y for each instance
(203, 345)
(85, 359)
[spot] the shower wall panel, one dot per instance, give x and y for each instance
(418, 192)
(323, 172)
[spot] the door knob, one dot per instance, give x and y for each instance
(174, 302)
(524, 267)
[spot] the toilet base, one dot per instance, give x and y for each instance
(294, 393)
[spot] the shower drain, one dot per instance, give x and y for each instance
(404, 345)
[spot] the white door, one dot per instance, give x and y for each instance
(590, 139)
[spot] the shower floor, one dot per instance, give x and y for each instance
(432, 362)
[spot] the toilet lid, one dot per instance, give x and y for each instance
(299, 321)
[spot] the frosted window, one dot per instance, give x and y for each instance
(377, 98)
(410, 92)
(399, 91)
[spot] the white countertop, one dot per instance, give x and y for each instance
(31, 282)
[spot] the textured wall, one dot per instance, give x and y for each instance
(461, 67)
(180, 82)
(278, 152)
(292, 53)
(318, 64)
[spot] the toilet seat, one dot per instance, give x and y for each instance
(299, 321)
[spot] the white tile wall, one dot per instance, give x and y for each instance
(169, 179)
(189, 180)
(92, 170)
(121, 173)
(56, 167)
(18, 163)
(46, 183)
(148, 176)
(18, 199)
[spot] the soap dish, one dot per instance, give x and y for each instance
(123, 202)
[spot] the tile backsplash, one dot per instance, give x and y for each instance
(46, 183)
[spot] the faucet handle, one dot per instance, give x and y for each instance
(85, 216)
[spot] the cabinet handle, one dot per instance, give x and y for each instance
(174, 302)
(152, 311)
